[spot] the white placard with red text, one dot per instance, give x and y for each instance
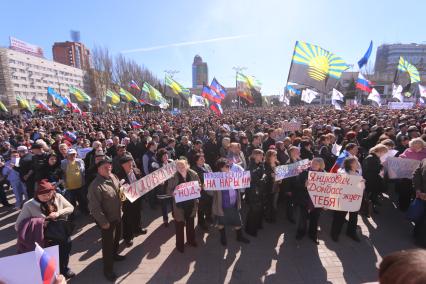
(226, 180)
(335, 191)
(187, 191)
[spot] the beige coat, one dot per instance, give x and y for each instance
(178, 213)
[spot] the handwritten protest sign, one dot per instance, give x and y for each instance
(82, 152)
(291, 170)
(149, 182)
(400, 168)
(187, 191)
(399, 105)
(291, 126)
(226, 181)
(11, 267)
(335, 191)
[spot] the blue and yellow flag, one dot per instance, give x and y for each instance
(154, 96)
(112, 98)
(23, 103)
(315, 67)
(3, 107)
(177, 88)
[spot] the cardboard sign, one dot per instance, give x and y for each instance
(187, 191)
(400, 168)
(149, 182)
(11, 267)
(291, 126)
(339, 192)
(291, 170)
(399, 105)
(226, 181)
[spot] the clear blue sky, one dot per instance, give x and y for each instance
(259, 35)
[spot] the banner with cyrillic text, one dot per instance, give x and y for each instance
(334, 191)
(226, 181)
(399, 105)
(291, 170)
(149, 182)
(187, 191)
(400, 168)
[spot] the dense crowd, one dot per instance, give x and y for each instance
(55, 165)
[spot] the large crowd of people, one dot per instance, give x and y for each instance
(57, 165)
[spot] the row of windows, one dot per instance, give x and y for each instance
(37, 67)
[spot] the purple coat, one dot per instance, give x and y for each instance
(30, 230)
(410, 154)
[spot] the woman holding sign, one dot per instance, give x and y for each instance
(183, 212)
(350, 167)
(226, 207)
(305, 208)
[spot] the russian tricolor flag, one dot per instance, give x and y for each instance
(71, 137)
(136, 125)
(42, 105)
(134, 85)
(216, 108)
(339, 162)
(363, 84)
(47, 265)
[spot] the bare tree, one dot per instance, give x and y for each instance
(101, 73)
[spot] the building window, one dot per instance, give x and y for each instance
(17, 93)
(24, 78)
(15, 77)
(16, 85)
(11, 61)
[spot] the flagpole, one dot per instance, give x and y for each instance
(291, 65)
(171, 73)
(238, 69)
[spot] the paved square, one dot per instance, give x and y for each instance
(273, 257)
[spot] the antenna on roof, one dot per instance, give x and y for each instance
(75, 36)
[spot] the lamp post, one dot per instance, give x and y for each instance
(238, 69)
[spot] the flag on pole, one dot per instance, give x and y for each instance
(3, 107)
(339, 161)
(79, 95)
(362, 83)
(243, 88)
(70, 136)
(337, 96)
(375, 97)
(397, 92)
(366, 56)
(308, 95)
(154, 95)
(177, 88)
(42, 105)
(127, 96)
(218, 88)
(75, 109)
(405, 66)
(23, 103)
(315, 67)
(112, 98)
(136, 125)
(422, 90)
(251, 81)
(134, 85)
(47, 265)
(210, 95)
(216, 108)
(293, 91)
(196, 101)
(57, 99)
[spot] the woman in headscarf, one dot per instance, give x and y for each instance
(183, 212)
(51, 206)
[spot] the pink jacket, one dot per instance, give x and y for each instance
(410, 154)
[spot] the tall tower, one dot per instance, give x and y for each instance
(200, 72)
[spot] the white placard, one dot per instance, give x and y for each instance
(226, 181)
(187, 191)
(291, 170)
(400, 168)
(339, 192)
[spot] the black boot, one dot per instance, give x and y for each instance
(222, 237)
(240, 237)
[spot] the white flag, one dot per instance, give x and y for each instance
(397, 92)
(336, 104)
(375, 97)
(422, 90)
(196, 101)
(337, 96)
(308, 95)
(422, 101)
(286, 101)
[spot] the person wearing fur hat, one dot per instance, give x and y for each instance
(51, 206)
